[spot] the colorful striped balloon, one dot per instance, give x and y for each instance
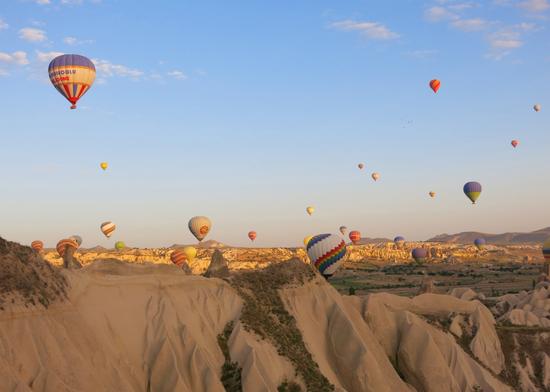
(37, 245)
(62, 246)
(326, 252)
(307, 239)
(546, 249)
(354, 236)
(107, 228)
(178, 257)
(199, 226)
(419, 255)
(72, 75)
(434, 85)
(472, 190)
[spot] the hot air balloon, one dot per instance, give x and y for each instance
(472, 190)
(307, 239)
(361, 166)
(354, 236)
(77, 238)
(63, 244)
(399, 241)
(419, 255)
(537, 108)
(104, 165)
(179, 256)
(546, 249)
(252, 235)
(514, 143)
(72, 75)
(375, 176)
(200, 226)
(343, 230)
(107, 228)
(435, 84)
(326, 252)
(479, 243)
(310, 210)
(37, 245)
(119, 245)
(432, 194)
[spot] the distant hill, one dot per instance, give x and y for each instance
(534, 237)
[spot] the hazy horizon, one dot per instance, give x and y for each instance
(249, 113)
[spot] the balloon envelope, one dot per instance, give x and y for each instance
(77, 238)
(514, 143)
(119, 245)
(326, 252)
(546, 249)
(434, 85)
(343, 230)
(479, 243)
(472, 190)
(72, 75)
(537, 107)
(375, 176)
(180, 256)
(361, 166)
(307, 239)
(37, 245)
(107, 228)
(432, 194)
(310, 210)
(200, 227)
(104, 165)
(399, 240)
(354, 236)
(252, 235)
(62, 246)
(419, 254)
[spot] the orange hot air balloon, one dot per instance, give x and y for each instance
(355, 236)
(64, 244)
(252, 235)
(178, 257)
(435, 84)
(37, 245)
(514, 143)
(432, 194)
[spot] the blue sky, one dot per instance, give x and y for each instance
(249, 111)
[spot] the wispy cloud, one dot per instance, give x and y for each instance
(371, 30)
(535, 6)
(42, 2)
(32, 35)
(107, 69)
(75, 41)
(46, 57)
(421, 54)
(17, 58)
(179, 75)
(439, 14)
(3, 25)
(473, 24)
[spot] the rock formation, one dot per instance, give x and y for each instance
(218, 266)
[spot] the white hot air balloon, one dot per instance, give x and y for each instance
(326, 252)
(200, 226)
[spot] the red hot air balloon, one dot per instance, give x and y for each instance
(63, 244)
(435, 84)
(355, 236)
(252, 235)
(515, 143)
(37, 245)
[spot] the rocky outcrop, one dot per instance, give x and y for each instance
(218, 266)
(427, 286)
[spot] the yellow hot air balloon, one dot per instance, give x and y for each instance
(310, 210)
(104, 165)
(307, 239)
(190, 252)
